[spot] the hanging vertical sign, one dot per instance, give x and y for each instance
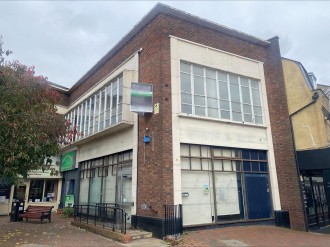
(141, 98)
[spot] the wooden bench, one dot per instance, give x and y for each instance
(37, 212)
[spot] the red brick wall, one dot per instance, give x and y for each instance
(155, 179)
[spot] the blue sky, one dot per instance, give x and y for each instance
(64, 39)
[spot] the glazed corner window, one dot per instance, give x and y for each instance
(217, 94)
(43, 190)
(101, 110)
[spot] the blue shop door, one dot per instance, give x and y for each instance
(257, 196)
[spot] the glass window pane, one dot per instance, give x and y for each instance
(226, 152)
(224, 105)
(195, 164)
(184, 150)
(248, 118)
(254, 154)
(198, 70)
(234, 93)
(186, 108)
(246, 95)
(263, 166)
(246, 154)
(236, 107)
(206, 152)
(185, 83)
(223, 90)
(212, 102)
(254, 84)
(211, 88)
(262, 155)
(233, 79)
(212, 112)
(195, 151)
(217, 152)
(247, 109)
(185, 163)
(186, 98)
(199, 85)
(256, 97)
(237, 116)
(225, 114)
(199, 111)
(255, 166)
(258, 120)
(210, 73)
(257, 110)
(199, 100)
(217, 165)
(246, 166)
(206, 164)
(222, 76)
(185, 67)
(244, 81)
(238, 165)
(227, 165)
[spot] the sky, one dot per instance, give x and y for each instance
(64, 39)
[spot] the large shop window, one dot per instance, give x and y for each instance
(217, 94)
(224, 184)
(99, 178)
(43, 190)
(101, 110)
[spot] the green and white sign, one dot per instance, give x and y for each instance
(141, 98)
(69, 200)
(68, 161)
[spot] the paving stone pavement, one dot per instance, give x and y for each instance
(61, 233)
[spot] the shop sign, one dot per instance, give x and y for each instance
(47, 171)
(141, 98)
(68, 161)
(69, 200)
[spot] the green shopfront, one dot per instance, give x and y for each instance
(70, 179)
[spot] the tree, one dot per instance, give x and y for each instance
(30, 128)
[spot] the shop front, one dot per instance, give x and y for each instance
(5, 198)
(41, 187)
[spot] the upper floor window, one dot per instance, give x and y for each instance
(99, 111)
(217, 94)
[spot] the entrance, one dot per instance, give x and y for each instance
(316, 202)
(124, 188)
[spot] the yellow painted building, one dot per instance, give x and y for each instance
(309, 114)
(311, 128)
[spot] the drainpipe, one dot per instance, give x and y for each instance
(314, 99)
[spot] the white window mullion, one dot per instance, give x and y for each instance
(90, 115)
(117, 101)
(251, 97)
(205, 93)
(99, 117)
(241, 98)
(93, 124)
(218, 93)
(192, 90)
(105, 106)
(110, 110)
(229, 97)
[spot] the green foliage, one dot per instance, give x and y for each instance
(30, 127)
(68, 212)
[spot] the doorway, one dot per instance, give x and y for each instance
(124, 189)
(317, 209)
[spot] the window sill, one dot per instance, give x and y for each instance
(184, 115)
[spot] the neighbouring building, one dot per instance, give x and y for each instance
(309, 113)
(218, 141)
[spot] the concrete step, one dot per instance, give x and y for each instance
(138, 234)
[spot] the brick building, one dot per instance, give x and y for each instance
(220, 141)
